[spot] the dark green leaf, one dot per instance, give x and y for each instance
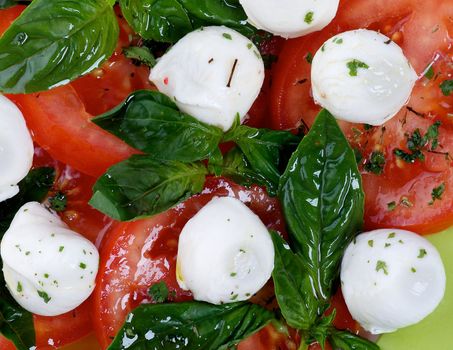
(320, 331)
(54, 42)
(437, 192)
(237, 168)
(16, 324)
(447, 87)
(170, 20)
(159, 292)
(264, 150)
(58, 201)
(343, 340)
(33, 188)
(7, 3)
(293, 289)
(140, 55)
(375, 164)
(191, 325)
(152, 123)
(144, 186)
(323, 202)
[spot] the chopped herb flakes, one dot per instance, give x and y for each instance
(381, 265)
(447, 87)
(159, 292)
(227, 36)
(233, 274)
(422, 253)
(61, 248)
(19, 287)
(437, 192)
(391, 235)
(413, 270)
(387, 245)
(83, 266)
(58, 202)
(375, 164)
(371, 243)
(429, 74)
(44, 296)
(309, 57)
(354, 65)
(391, 206)
(338, 41)
(309, 17)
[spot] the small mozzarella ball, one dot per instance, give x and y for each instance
(16, 148)
(361, 76)
(225, 253)
(290, 18)
(213, 74)
(391, 279)
(49, 269)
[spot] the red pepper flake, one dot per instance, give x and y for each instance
(166, 81)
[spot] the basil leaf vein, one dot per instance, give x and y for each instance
(55, 41)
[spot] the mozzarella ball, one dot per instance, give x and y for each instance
(391, 279)
(290, 18)
(16, 148)
(49, 269)
(361, 76)
(225, 253)
(213, 74)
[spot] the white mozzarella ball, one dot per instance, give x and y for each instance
(48, 268)
(391, 279)
(361, 76)
(225, 253)
(16, 148)
(290, 18)
(213, 74)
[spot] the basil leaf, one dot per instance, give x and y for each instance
(190, 325)
(237, 168)
(4, 4)
(293, 290)
(160, 20)
(16, 324)
(144, 186)
(152, 123)
(54, 42)
(140, 55)
(33, 188)
(264, 150)
(169, 20)
(323, 202)
(342, 340)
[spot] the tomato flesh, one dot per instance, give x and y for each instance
(139, 254)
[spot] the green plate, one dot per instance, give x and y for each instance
(436, 331)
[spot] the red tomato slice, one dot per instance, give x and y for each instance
(7, 16)
(5, 344)
(139, 254)
(424, 30)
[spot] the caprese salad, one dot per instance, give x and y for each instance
(219, 174)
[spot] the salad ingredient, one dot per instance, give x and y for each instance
(190, 325)
(290, 18)
(170, 20)
(16, 324)
(16, 148)
(141, 253)
(151, 122)
(322, 197)
(144, 186)
(35, 240)
(362, 76)
(238, 267)
(391, 279)
(213, 74)
(36, 58)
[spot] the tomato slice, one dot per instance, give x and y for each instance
(139, 254)
(424, 31)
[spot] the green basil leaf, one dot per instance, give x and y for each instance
(152, 123)
(220, 12)
(293, 290)
(169, 20)
(16, 324)
(323, 201)
(159, 20)
(190, 325)
(343, 340)
(4, 4)
(140, 55)
(55, 41)
(237, 168)
(264, 150)
(144, 186)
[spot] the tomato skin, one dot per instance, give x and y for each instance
(8, 15)
(5, 344)
(139, 254)
(424, 31)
